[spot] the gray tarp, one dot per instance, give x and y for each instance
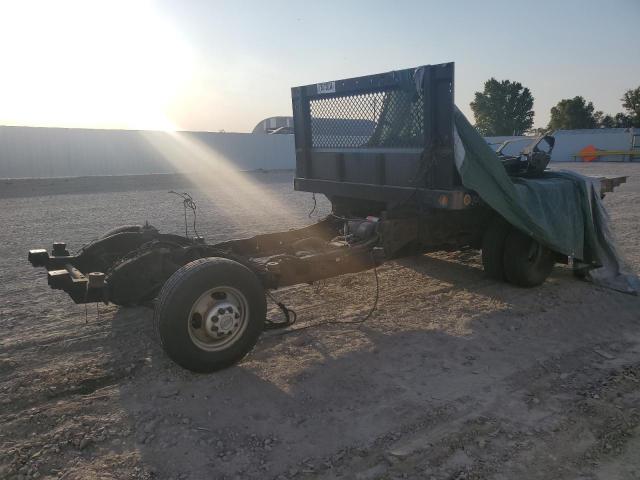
(561, 210)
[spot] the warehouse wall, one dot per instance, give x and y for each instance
(27, 152)
(569, 143)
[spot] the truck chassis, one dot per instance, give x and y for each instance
(395, 194)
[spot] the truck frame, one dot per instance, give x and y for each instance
(394, 191)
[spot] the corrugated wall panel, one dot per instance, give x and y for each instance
(60, 152)
(569, 143)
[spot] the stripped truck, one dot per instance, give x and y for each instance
(385, 150)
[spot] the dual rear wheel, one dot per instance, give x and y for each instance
(510, 255)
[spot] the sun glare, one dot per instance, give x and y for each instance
(116, 64)
(217, 177)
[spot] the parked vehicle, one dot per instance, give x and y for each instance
(394, 190)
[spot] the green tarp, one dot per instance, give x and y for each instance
(561, 210)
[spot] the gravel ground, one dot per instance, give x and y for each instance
(453, 377)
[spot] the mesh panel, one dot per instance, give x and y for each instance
(377, 119)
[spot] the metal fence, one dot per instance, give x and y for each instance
(389, 118)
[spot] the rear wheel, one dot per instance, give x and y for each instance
(210, 314)
(527, 263)
(493, 248)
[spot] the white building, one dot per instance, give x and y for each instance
(598, 144)
(68, 152)
(28, 152)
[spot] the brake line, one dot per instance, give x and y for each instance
(290, 315)
(359, 321)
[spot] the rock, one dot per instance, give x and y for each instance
(372, 473)
(150, 426)
(84, 443)
(391, 459)
(301, 341)
(604, 354)
(169, 393)
(402, 451)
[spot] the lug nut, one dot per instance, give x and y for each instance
(230, 309)
(220, 311)
(237, 315)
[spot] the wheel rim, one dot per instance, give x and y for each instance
(218, 318)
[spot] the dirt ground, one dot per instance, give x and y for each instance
(453, 377)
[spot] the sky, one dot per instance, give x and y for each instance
(225, 65)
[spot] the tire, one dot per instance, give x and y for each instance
(493, 242)
(209, 314)
(121, 229)
(527, 263)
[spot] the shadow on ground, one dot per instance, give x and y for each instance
(300, 401)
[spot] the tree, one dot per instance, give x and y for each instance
(573, 113)
(503, 108)
(602, 120)
(619, 120)
(538, 132)
(631, 103)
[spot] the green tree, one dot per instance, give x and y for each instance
(503, 108)
(631, 103)
(537, 132)
(603, 121)
(619, 120)
(573, 113)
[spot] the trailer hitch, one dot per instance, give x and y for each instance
(63, 275)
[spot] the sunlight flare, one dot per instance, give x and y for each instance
(217, 177)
